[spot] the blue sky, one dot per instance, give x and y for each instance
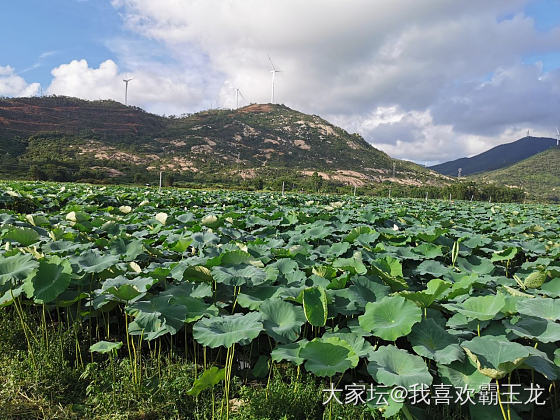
(407, 75)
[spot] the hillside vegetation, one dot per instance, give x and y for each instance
(60, 138)
(539, 175)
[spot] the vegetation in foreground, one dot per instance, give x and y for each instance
(120, 301)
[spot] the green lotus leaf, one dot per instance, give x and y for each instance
(252, 298)
(38, 220)
(433, 268)
(315, 306)
(390, 318)
(49, 281)
(126, 289)
(358, 343)
(92, 262)
(23, 235)
(534, 328)
(105, 347)
(196, 308)
(208, 379)
(77, 216)
(482, 308)
(392, 366)
(430, 340)
(239, 275)
(495, 357)
(546, 308)
(506, 254)
(16, 268)
(552, 288)
(289, 352)
(354, 265)
(430, 251)
(434, 290)
(128, 251)
(328, 356)
(156, 317)
(475, 264)
(463, 373)
(282, 320)
(227, 330)
(194, 290)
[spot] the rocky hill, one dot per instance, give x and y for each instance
(63, 138)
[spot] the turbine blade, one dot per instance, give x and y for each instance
(271, 63)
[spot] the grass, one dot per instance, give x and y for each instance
(52, 385)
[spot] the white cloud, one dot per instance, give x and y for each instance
(13, 85)
(158, 92)
(350, 61)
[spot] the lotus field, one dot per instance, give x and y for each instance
(407, 308)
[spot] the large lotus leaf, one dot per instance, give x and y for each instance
(128, 251)
(126, 289)
(252, 298)
(392, 366)
(390, 318)
(358, 343)
(208, 379)
(315, 306)
(482, 308)
(506, 254)
(495, 357)
(434, 290)
(364, 290)
(16, 268)
(23, 235)
(47, 282)
(354, 265)
(227, 330)
(194, 290)
(196, 308)
(105, 347)
(282, 320)
(78, 216)
(38, 220)
(92, 262)
(546, 308)
(428, 250)
(462, 284)
(63, 247)
(475, 264)
(328, 356)
(433, 268)
(463, 373)
(289, 352)
(171, 315)
(534, 328)
(239, 275)
(150, 325)
(430, 340)
(542, 364)
(203, 239)
(552, 288)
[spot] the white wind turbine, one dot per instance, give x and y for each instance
(273, 71)
(557, 137)
(126, 89)
(237, 95)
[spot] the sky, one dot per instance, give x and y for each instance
(428, 81)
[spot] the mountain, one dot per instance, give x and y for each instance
(539, 175)
(497, 157)
(63, 138)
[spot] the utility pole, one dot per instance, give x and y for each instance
(282, 187)
(354, 190)
(426, 199)
(160, 177)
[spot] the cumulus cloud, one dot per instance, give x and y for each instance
(157, 91)
(452, 71)
(13, 85)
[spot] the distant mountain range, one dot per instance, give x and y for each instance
(498, 157)
(64, 138)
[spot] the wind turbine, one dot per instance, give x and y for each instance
(237, 95)
(557, 137)
(273, 71)
(126, 89)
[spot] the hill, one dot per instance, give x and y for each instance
(539, 175)
(498, 157)
(63, 138)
